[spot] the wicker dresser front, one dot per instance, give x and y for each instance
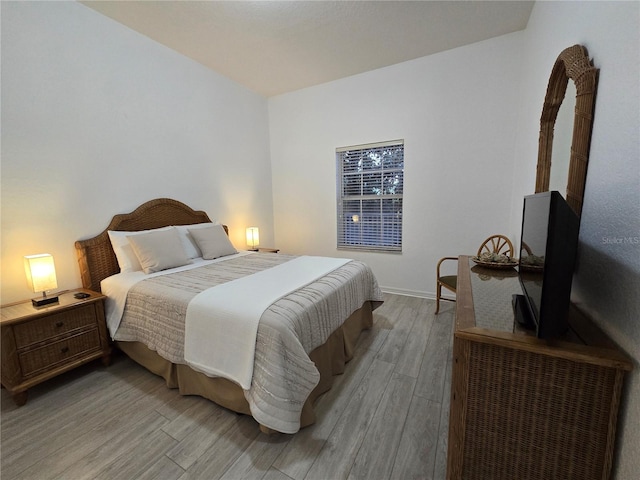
(524, 408)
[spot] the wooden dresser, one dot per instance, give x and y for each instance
(40, 343)
(524, 408)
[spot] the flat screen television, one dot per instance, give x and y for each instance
(549, 243)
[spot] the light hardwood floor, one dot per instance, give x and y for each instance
(386, 417)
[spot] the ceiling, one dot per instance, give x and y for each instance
(275, 47)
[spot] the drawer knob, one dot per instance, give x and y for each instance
(64, 349)
(59, 324)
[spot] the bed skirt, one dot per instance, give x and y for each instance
(330, 359)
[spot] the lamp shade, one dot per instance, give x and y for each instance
(41, 272)
(253, 237)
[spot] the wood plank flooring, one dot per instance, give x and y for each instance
(385, 418)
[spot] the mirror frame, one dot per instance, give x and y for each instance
(572, 63)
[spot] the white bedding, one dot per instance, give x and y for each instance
(235, 308)
(117, 286)
(154, 313)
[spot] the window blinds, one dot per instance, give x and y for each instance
(370, 187)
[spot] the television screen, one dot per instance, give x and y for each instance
(547, 260)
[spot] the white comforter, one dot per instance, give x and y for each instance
(235, 308)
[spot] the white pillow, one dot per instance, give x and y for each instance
(127, 259)
(159, 250)
(213, 242)
(188, 242)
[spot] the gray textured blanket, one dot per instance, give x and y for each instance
(288, 331)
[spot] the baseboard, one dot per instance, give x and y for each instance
(414, 293)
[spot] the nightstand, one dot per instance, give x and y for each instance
(40, 343)
(264, 250)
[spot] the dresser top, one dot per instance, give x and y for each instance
(20, 311)
(492, 291)
(485, 313)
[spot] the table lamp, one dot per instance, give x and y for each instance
(253, 237)
(41, 276)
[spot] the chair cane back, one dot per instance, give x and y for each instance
(499, 244)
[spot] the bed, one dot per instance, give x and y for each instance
(303, 338)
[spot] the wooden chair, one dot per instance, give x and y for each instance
(493, 244)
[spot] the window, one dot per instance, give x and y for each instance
(370, 185)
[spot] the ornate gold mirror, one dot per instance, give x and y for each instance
(573, 63)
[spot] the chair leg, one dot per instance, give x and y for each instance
(438, 292)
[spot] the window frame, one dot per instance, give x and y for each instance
(384, 229)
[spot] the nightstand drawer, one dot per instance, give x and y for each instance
(61, 351)
(41, 329)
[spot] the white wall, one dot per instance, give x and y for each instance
(97, 119)
(607, 281)
(456, 112)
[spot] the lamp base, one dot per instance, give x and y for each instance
(42, 301)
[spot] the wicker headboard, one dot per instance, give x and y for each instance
(95, 255)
